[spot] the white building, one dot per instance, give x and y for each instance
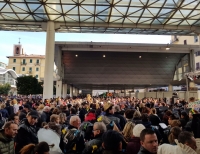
(8, 76)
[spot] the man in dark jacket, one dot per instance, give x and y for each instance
(83, 111)
(94, 146)
(27, 132)
(6, 138)
(149, 142)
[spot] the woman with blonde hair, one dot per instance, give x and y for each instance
(63, 118)
(128, 131)
(40, 108)
(41, 148)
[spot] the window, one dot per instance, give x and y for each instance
(30, 68)
(197, 66)
(197, 53)
(14, 68)
(185, 42)
(30, 60)
(14, 60)
(37, 69)
(195, 38)
(37, 61)
(23, 68)
(24, 61)
(36, 76)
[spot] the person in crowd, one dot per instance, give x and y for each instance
(14, 118)
(21, 114)
(45, 116)
(94, 145)
(117, 113)
(184, 119)
(153, 117)
(9, 107)
(63, 118)
(7, 135)
(112, 142)
(73, 136)
(40, 148)
(128, 131)
(3, 111)
(186, 144)
(40, 109)
(54, 123)
(133, 145)
(109, 110)
(15, 105)
(137, 117)
(174, 133)
(129, 115)
(27, 132)
(35, 106)
(166, 117)
(72, 113)
(83, 111)
(149, 142)
(188, 139)
(91, 116)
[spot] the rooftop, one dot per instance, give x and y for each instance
(28, 56)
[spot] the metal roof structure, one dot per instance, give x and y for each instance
(155, 17)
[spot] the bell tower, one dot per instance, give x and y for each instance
(17, 49)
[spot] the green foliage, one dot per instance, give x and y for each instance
(5, 88)
(27, 85)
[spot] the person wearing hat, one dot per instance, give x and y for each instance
(109, 110)
(27, 132)
(133, 145)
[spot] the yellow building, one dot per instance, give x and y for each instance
(24, 64)
(188, 40)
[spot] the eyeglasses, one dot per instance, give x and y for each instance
(95, 130)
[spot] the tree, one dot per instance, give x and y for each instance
(27, 85)
(5, 88)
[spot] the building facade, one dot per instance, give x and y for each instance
(24, 64)
(8, 76)
(189, 40)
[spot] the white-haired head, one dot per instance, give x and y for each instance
(75, 121)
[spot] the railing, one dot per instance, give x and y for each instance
(22, 63)
(37, 64)
(30, 72)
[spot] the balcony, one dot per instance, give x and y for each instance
(29, 72)
(22, 63)
(37, 64)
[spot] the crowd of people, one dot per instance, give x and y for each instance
(94, 125)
